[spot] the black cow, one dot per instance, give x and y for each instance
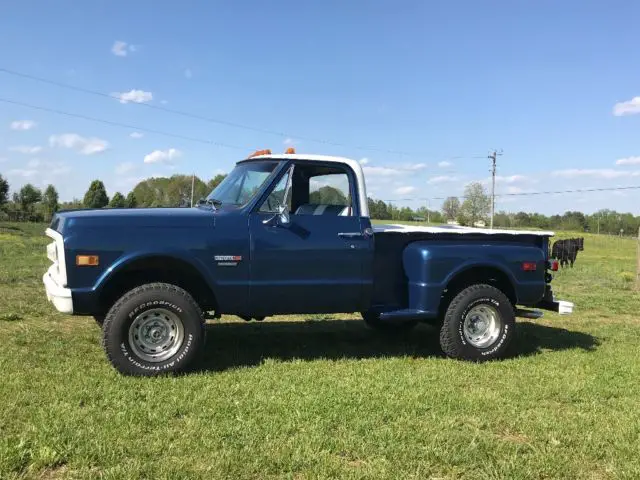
(566, 251)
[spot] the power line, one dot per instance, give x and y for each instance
(523, 194)
(123, 125)
(234, 124)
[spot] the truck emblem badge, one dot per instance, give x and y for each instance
(228, 260)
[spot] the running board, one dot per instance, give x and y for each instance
(531, 314)
(404, 315)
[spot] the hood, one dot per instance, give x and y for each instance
(134, 217)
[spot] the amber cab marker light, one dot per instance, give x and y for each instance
(87, 260)
(290, 150)
(257, 153)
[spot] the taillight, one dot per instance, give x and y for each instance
(529, 266)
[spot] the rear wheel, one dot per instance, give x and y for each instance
(372, 320)
(153, 329)
(478, 325)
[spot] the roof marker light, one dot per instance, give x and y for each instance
(257, 153)
(290, 150)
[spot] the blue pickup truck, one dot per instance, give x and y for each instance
(288, 234)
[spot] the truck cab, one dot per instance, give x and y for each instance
(288, 234)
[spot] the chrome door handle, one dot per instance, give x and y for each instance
(351, 235)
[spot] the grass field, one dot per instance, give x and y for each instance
(323, 397)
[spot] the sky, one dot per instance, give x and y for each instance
(419, 92)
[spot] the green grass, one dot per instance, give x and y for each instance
(323, 397)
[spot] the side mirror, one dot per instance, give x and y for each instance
(283, 215)
(279, 219)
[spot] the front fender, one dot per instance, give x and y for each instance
(130, 258)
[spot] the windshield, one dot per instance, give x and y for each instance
(244, 181)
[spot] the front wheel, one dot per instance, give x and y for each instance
(153, 329)
(478, 325)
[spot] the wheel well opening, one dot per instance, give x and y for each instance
(157, 269)
(472, 276)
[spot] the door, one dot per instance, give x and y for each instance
(316, 261)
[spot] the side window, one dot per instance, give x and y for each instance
(330, 189)
(276, 197)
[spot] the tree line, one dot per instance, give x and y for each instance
(29, 203)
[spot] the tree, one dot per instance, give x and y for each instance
(28, 197)
(96, 196)
(328, 196)
(50, 201)
(74, 204)
(215, 181)
(451, 208)
(118, 201)
(4, 191)
(476, 205)
(131, 201)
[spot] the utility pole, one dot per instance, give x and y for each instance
(493, 158)
(193, 182)
(428, 215)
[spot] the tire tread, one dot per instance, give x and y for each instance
(448, 341)
(157, 287)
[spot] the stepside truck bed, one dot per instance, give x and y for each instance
(390, 279)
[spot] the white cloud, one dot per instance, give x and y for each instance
(82, 145)
(39, 168)
(125, 167)
(136, 135)
(22, 125)
(119, 48)
(122, 49)
(403, 169)
(20, 172)
(628, 161)
(135, 96)
(630, 107)
(26, 149)
(188, 73)
(444, 164)
(288, 141)
(517, 190)
(606, 173)
(162, 156)
(511, 179)
(404, 190)
(364, 161)
(382, 171)
(442, 179)
(413, 166)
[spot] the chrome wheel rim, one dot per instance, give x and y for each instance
(156, 335)
(482, 326)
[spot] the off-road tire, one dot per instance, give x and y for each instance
(372, 320)
(452, 339)
(115, 337)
